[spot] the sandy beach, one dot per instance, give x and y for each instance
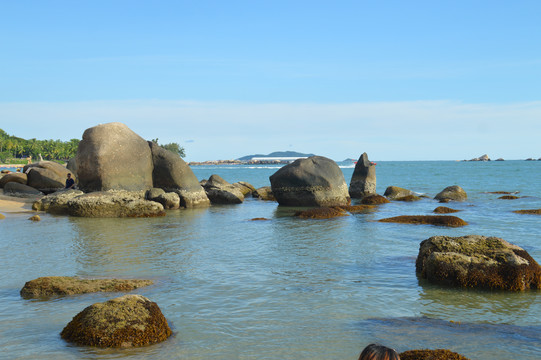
(11, 204)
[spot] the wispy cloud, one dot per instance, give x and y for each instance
(226, 130)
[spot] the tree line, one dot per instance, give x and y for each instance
(15, 150)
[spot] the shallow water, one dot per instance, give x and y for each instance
(284, 288)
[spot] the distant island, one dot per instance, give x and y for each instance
(277, 157)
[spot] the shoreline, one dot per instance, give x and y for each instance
(12, 204)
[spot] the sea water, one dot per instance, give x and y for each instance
(283, 288)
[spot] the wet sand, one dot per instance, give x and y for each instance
(11, 204)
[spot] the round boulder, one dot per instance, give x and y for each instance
(46, 176)
(314, 181)
(476, 261)
(127, 321)
(454, 192)
(20, 178)
(20, 190)
(113, 157)
(395, 192)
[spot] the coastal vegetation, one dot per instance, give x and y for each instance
(16, 150)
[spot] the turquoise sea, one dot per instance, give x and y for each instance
(284, 288)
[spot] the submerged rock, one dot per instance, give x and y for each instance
(408, 198)
(69, 285)
(454, 192)
(130, 320)
(425, 354)
(363, 180)
(475, 261)
(440, 220)
(444, 210)
(314, 181)
(321, 213)
(354, 209)
(531, 212)
(508, 197)
(374, 200)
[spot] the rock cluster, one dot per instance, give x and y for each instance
(127, 321)
(476, 261)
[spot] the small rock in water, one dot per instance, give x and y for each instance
(321, 213)
(441, 220)
(374, 200)
(508, 197)
(531, 212)
(444, 210)
(127, 321)
(35, 218)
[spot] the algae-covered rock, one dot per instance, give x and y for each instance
(69, 285)
(110, 204)
(475, 261)
(531, 212)
(374, 199)
(444, 210)
(57, 202)
(425, 354)
(321, 213)
(408, 198)
(508, 197)
(354, 209)
(440, 220)
(130, 320)
(454, 192)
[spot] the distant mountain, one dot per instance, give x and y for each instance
(276, 154)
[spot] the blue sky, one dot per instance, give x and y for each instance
(401, 80)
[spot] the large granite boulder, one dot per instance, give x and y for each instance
(46, 176)
(220, 191)
(454, 192)
(113, 157)
(68, 285)
(20, 190)
(20, 178)
(126, 321)
(395, 192)
(111, 204)
(57, 202)
(172, 174)
(475, 261)
(314, 181)
(363, 180)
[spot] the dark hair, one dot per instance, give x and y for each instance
(378, 352)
